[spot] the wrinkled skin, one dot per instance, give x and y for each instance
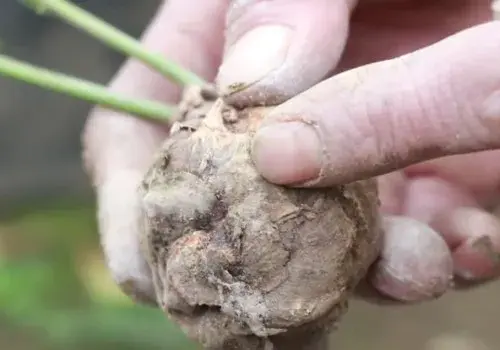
(241, 263)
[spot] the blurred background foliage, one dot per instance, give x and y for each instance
(55, 292)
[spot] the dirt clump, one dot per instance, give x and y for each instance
(240, 263)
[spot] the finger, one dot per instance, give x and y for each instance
(475, 238)
(472, 234)
(118, 148)
(478, 172)
(428, 196)
(276, 49)
(424, 197)
(438, 101)
(415, 262)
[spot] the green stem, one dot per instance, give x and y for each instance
(82, 89)
(113, 37)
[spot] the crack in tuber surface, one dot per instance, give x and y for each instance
(240, 263)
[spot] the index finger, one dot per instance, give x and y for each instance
(438, 101)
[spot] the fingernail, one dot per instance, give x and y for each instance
(287, 153)
(476, 259)
(415, 264)
(252, 57)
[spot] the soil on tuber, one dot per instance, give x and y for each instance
(238, 262)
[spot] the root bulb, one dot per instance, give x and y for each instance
(240, 263)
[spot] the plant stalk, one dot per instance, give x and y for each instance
(113, 37)
(82, 89)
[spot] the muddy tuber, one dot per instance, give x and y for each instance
(240, 263)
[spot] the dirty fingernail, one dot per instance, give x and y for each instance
(474, 236)
(477, 259)
(287, 153)
(252, 57)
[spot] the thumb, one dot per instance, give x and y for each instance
(267, 43)
(438, 101)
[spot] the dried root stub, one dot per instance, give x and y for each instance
(240, 263)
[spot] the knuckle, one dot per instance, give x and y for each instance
(473, 86)
(378, 123)
(423, 118)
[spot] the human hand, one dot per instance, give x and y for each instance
(417, 95)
